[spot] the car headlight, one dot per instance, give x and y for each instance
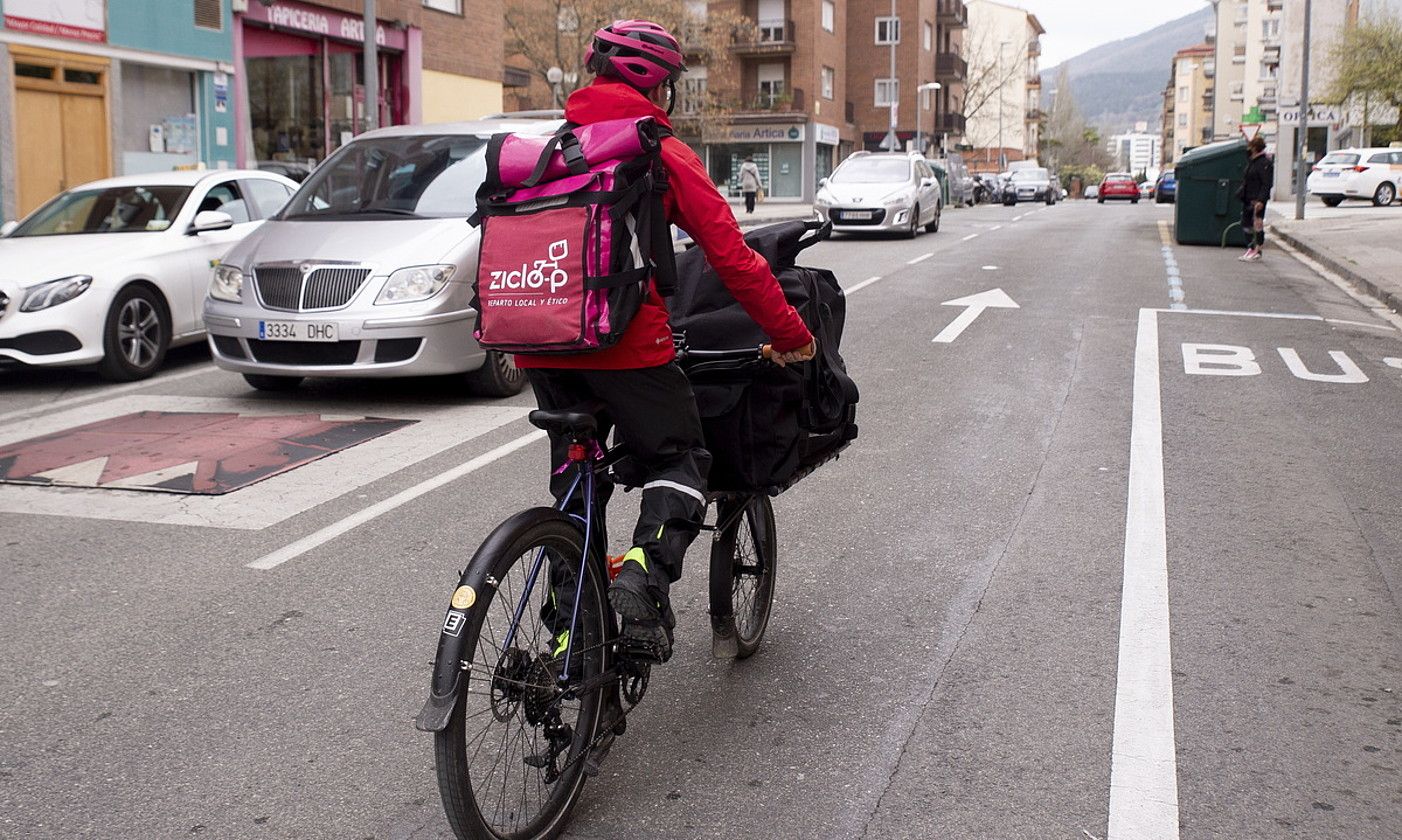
(54, 292)
(419, 282)
(897, 199)
(226, 284)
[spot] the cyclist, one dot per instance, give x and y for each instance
(647, 397)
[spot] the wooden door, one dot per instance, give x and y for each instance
(38, 127)
(60, 122)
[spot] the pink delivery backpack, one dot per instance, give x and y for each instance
(573, 236)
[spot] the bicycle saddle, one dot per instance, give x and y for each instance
(578, 422)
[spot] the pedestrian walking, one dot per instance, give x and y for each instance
(749, 182)
(1255, 191)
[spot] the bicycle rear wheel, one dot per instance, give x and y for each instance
(511, 760)
(743, 560)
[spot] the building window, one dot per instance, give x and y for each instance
(888, 30)
(771, 85)
(693, 91)
(209, 14)
(828, 75)
(453, 7)
(929, 36)
(1182, 119)
(1270, 28)
(887, 91)
(829, 15)
(1183, 94)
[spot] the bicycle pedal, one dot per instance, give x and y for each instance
(646, 642)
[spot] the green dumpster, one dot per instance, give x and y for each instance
(943, 177)
(1207, 209)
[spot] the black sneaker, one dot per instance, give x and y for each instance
(641, 599)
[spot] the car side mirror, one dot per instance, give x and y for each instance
(822, 182)
(8, 228)
(210, 220)
(927, 182)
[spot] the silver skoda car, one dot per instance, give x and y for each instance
(881, 192)
(367, 272)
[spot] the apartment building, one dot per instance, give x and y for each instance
(1247, 62)
(1003, 51)
(1136, 151)
(1188, 100)
(906, 73)
(812, 80)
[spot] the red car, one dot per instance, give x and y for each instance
(1119, 185)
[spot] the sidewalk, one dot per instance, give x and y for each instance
(771, 211)
(1367, 251)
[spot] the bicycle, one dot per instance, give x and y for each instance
(518, 728)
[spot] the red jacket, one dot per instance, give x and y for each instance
(694, 205)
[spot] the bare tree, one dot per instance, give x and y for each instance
(987, 81)
(1069, 140)
(542, 34)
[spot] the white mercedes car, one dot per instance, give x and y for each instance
(114, 273)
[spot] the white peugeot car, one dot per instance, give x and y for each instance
(114, 273)
(1371, 174)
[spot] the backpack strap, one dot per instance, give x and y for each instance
(567, 143)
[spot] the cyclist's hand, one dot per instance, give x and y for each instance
(802, 354)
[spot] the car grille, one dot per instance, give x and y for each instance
(878, 215)
(288, 289)
(304, 352)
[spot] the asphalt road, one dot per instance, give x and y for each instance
(1097, 566)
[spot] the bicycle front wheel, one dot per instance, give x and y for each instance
(743, 559)
(511, 760)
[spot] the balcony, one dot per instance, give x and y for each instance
(767, 38)
(1034, 48)
(1034, 81)
(1035, 114)
(950, 123)
(786, 102)
(951, 67)
(952, 14)
(1275, 5)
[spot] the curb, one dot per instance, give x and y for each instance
(1389, 299)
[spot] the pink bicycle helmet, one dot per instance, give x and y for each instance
(639, 52)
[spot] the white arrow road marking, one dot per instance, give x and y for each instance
(994, 298)
(84, 474)
(1393, 361)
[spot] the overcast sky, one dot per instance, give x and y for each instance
(1074, 26)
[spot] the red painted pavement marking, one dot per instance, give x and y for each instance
(229, 451)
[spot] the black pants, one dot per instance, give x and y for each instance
(750, 202)
(654, 413)
(1254, 238)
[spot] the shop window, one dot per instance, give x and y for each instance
(453, 7)
(81, 77)
(888, 30)
(209, 14)
(285, 97)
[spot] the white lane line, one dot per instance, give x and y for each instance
(970, 236)
(1290, 316)
(355, 520)
(107, 393)
(862, 285)
(1017, 218)
(920, 258)
(1359, 324)
(995, 227)
(1143, 765)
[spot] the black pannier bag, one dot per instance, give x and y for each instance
(769, 426)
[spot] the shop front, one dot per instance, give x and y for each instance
(303, 85)
(777, 149)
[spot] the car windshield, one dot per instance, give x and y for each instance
(1030, 175)
(873, 171)
(1339, 159)
(137, 209)
(424, 176)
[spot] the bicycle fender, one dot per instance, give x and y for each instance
(448, 665)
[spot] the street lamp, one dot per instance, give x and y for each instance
(554, 76)
(919, 124)
(1002, 105)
